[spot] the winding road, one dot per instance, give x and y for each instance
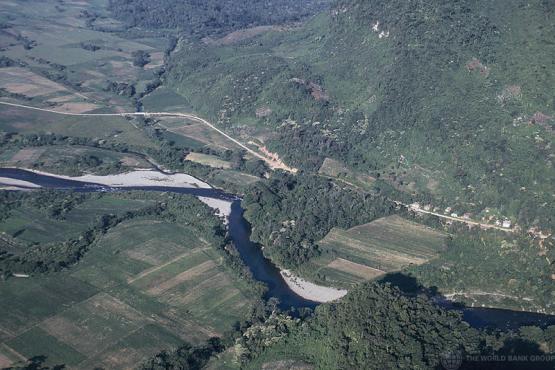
(274, 164)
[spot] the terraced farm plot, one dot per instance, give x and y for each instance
(368, 251)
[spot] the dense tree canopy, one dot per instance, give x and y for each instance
(202, 17)
(290, 214)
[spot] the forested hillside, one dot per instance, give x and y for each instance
(376, 327)
(448, 99)
(292, 213)
(202, 17)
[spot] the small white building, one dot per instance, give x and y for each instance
(506, 224)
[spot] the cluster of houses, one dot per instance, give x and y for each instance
(504, 223)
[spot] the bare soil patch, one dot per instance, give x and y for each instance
(4, 361)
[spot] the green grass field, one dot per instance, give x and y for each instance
(164, 99)
(369, 251)
(208, 160)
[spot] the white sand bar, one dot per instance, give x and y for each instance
(14, 183)
(138, 177)
(311, 291)
(222, 207)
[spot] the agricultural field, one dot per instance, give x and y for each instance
(87, 62)
(196, 131)
(371, 250)
(235, 177)
(82, 63)
(30, 223)
(67, 64)
(116, 130)
(208, 160)
(147, 284)
(71, 159)
(164, 99)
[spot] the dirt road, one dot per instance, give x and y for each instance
(272, 163)
(458, 219)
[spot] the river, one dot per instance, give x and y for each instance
(263, 269)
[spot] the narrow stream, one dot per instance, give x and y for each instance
(263, 269)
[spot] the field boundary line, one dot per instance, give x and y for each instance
(14, 352)
(165, 264)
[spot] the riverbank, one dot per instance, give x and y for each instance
(137, 177)
(311, 291)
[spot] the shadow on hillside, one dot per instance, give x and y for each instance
(37, 363)
(409, 285)
(516, 354)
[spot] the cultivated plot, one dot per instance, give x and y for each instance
(368, 251)
(147, 285)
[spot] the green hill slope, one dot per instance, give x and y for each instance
(448, 100)
(376, 327)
